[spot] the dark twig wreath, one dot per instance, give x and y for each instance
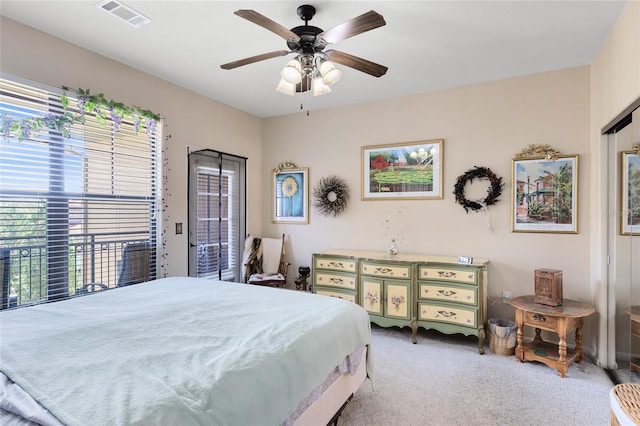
(493, 193)
(331, 196)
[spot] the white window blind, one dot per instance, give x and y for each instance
(217, 203)
(70, 205)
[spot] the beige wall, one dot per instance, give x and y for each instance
(208, 124)
(482, 125)
(615, 84)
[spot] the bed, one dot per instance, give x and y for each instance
(183, 351)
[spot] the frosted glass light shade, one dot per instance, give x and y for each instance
(286, 87)
(330, 74)
(319, 88)
(292, 72)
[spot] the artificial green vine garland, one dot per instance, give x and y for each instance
(322, 191)
(493, 193)
(22, 128)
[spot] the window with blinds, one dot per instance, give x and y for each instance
(73, 207)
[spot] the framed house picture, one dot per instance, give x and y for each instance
(544, 195)
(402, 171)
(291, 196)
(630, 208)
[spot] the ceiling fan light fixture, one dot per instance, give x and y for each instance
(319, 88)
(330, 74)
(286, 88)
(292, 72)
(310, 70)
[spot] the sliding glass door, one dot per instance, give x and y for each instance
(216, 215)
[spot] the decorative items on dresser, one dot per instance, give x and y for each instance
(415, 290)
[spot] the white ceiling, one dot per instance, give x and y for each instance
(427, 45)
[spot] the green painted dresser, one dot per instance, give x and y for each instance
(432, 292)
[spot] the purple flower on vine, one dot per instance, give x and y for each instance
(117, 120)
(81, 102)
(136, 124)
(50, 121)
(26, 130)
(150, 124)
(6, 126)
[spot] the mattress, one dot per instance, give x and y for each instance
(179, 350)
(18, 408)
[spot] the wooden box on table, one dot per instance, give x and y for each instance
(548, 286)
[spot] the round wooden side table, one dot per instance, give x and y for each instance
(558, 319)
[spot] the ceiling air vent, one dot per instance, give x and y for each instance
(123, 12)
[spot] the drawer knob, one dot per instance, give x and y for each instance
(383, 270)
(447, 274)
(539, 317)
(336, 265)
(336, 280)
(447, 314)
(447, 293)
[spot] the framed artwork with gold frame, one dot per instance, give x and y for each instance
(291, 196)
(630, 197)
(544, 194)
(403, 171)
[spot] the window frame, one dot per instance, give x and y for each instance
(59, 232)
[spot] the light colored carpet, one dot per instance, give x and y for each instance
(443, 380)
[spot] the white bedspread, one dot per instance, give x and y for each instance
(179, 351)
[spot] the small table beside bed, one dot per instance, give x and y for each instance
(183, 351)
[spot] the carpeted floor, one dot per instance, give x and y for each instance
(443, 380)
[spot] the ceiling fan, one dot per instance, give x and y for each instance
(312, 65)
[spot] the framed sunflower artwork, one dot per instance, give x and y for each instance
(291, 196)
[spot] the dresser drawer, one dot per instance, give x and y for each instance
(336, 264)
(448, 274)
(333, 279)
(391, 270)
(544, 322)
(340, 295)
(430, 291)
(448, 314)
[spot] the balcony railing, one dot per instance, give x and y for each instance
(93, 258)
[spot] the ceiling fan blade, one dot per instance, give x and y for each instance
(358, 25)
(357, 63)
(252, 59)
(264, 22)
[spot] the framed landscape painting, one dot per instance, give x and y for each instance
(291, 196)
(544, 195)
(402, 171)
(630, 218)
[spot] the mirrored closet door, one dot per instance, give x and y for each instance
(624, 243)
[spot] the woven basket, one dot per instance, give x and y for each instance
(502, 336)
(627, 397)
(502, 345)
